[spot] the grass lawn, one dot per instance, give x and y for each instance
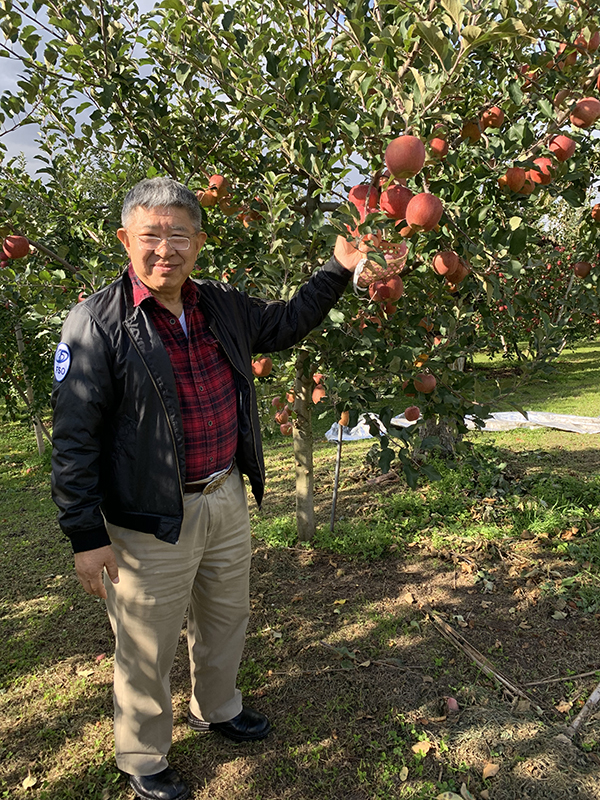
(369, 700)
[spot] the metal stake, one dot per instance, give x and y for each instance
(336, 479)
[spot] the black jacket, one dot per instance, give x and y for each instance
(118, 436)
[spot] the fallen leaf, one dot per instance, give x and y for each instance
(29, 782)
(408, 597)
(297, 597)
(421, 748)
(524, 625)
(365, 664)
(485, 795)
(448, 796)
(339, 602)
(276, 634)
(486, 603)
(489, 770)
(564, 706)
(559, 615)
(403, 775)
(522, 705)
(100, 657)
(84, 673)
(427, 679)
(465, 793)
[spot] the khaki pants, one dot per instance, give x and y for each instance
(206, 570)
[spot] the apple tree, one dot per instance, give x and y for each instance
(493, 108)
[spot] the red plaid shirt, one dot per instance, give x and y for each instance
(204, 380)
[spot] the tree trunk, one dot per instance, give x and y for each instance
(446, 430)
(303, 450)
(37, 425)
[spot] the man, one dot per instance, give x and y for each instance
(155, 420)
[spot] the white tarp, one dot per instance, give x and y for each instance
(499, 421)
(507, 420)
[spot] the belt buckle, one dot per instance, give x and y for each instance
(215, 484)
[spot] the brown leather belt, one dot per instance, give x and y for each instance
(208, 487)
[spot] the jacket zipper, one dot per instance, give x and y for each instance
(139, 352)
(233, 366)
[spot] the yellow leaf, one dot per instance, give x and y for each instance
(84, 673)
(403, 775)
(564, 706)
(422, 748)
(29, 781)
(489, 770)
(448, 796)
(339, 602)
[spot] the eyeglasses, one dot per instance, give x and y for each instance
(153, 242)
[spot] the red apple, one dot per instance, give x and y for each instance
(318, 393)
(15, 247)
(439, 147)
(586, 112)
(412, 413)
(286, 428)
(513, 179)
(364, 195)
(393, 201)
(562, 146)
(282, 416)
(446, 263)
(218, 184)
(262, 367)
(389, 289)
(596, 212)
(424, 212)
(529, 186)
(582, 269)
(405, 156)
(425, 382)
(492, 118)
(543, 172)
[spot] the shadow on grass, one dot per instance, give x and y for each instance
(351, 673)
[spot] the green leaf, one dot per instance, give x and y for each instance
(434, 38)
(515, 93)
(420, 84)
(455, 9)
(272, 64)
(546, 108)
(518, 241)
(228, 18)
(471, 33)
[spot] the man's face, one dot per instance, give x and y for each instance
(164, 269)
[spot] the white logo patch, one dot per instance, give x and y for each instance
(62, 361)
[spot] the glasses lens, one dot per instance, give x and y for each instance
(179, 242)
(152, 242)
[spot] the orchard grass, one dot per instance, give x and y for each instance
(341, 653)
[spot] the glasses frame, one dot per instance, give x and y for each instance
(167, 239)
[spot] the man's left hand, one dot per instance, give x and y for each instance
(348, 254)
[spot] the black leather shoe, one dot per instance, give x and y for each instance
(247, 726)
(165, 785)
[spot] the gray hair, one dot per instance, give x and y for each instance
(161, 193)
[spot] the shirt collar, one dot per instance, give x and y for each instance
(189, 290)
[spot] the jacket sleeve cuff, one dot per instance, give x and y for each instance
(90, 539)
(337, 271)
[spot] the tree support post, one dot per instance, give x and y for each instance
(303, 449)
